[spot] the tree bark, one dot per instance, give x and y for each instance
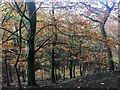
(102, 28)
(109, 52)
(6, 70)
(56, 74)
(80, 66)
(30, 44)
(53, 65)
(10, 74)
(74, 70)
(71, 65)
(53, 47)
(23, 75)
(103, 33)
(59, 75)
(64, 73)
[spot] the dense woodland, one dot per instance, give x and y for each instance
(58, 41)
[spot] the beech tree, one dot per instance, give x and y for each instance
(30, 43)
(102, 23)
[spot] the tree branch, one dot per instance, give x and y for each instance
(12, 33)
(39, 31)
(4, 18)
(89, 7)
(62, 6)
(20, 12)
(43, 43)
(9, 37)
(94, 20)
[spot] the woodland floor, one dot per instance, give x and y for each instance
(99, 81)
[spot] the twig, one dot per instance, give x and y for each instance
(43, 43)
(9, 37)
(20, 12)
(12, 33)
(39, 31)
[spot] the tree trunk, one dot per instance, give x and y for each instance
(23, 75)
(10, 74)
(84, 68)
(53, 46)
(74, 70)
(103, 33)
(64, 73)
(42, 75)
(18, 72)
(30, 44)
(80, 66)
(56, 74)
(59, 75)
(71, 64)
(6, 70)
(53, 65)
(109, 52)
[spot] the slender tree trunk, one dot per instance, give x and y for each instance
(119, 54)
(59, 75)
(17, 73)
(84, 67)
(42, 75)
(53, 65)
(64, 73)
(23, 75)
(19, 42)
(71, 65)
(74, 70)
(53, 47)
(56, 74)
(103, 33)
(80, 66)
(102, 27)
(6, 70)
(109, 52)
(30, 44)
(10, 74)
(19, 70)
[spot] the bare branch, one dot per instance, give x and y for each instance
(92, 9)
(9, 37)
(56, 43)
(37, 9)
(21, 12)
(92, 19)
(62, 7)
(40, 30)
(43, 43)
(4, 18)
(62, 31)
(11, 33)
(107, 6)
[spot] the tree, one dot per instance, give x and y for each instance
(102, 23)
(30, 43)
